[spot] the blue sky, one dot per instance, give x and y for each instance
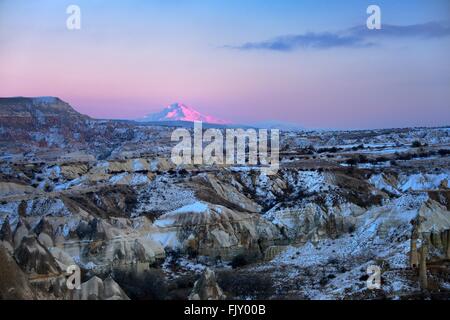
(133, 57)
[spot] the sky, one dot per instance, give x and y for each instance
(310, 62)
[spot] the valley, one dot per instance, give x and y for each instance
(105, 196)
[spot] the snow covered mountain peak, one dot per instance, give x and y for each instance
(181, 112)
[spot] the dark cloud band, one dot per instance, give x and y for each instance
(355, 37)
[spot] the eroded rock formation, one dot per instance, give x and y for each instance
(206, 288)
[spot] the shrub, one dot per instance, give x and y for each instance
(309, 150)
(424, 154)
(329, 150)
(258, 286)
(352, 162)
(324, 281)
(332, 261)
(381, 159)
(244, 259)
(192, 253)
(405, 156)
(180, 288)
(239, 261)
(416, 144)
(360, 147)
(149, 285)
(362, 159)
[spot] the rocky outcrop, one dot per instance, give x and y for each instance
(423, 278)
(137, 165)
(97, 289)
(413, 253)
(432, 227)
(273, 251)
(206, 288)
(447, 233)
(14, 284)
(214, 231)
(33, 112)
(228, 193)
(11, 188)
(5, 232)
(113, 244)
(44, 226)
(312, 221)
(63, 259)
(74, 170)
(127, 251)
(147, 251)
(436, 217)
(21, 231)
(35, 259)
(68, 232)
(44, 231)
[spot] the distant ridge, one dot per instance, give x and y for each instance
(280, 125)
(37, 107)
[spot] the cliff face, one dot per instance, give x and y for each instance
(41, 121)
(37, 113)
(51, 127)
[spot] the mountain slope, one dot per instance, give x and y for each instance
(37, 112)
(43, 121)
(181, 112)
